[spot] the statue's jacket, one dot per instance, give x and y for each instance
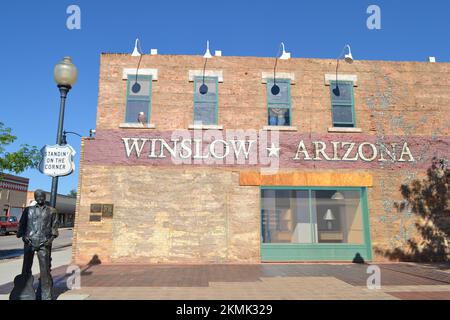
(38, 224)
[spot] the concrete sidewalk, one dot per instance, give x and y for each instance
(12, 267)
(260, 282)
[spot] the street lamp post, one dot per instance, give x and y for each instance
(65, 77)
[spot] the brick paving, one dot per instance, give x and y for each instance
(259, 282)
(323, 288)
(422, 295)
(202, 275)
(252, 282)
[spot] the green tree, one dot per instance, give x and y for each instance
(24, 158)
(72, 193)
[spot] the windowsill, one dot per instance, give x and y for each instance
(344, 130)
(280, 128)
(205, 127)
(137, 126)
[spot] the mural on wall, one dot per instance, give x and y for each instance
(378, 105)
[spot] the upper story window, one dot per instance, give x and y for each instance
(343, 104)
(206, 100)
(139, 93)
(279, 103)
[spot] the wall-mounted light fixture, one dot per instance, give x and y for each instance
(137, 52)
(207, 54)
(284, 56)
(204, 88)
(348, 57)
(137, 49)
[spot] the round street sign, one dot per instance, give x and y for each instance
(57, 161)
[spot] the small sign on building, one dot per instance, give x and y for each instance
(57, 161)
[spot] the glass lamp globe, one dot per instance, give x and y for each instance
(66, 73)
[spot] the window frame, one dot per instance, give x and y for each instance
(291, 252)
(130, 79)
(216, 113)
(269, 84)
(364, 212)
(350, 104)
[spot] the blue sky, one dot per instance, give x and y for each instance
(33, 37)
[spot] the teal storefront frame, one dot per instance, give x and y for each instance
(291, 252)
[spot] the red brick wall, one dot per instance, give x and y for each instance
(406, 101)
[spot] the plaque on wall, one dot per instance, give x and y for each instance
(107, 210)
(96, 208)
(95, 218)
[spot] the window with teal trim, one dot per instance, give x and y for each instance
(206, 100)
(312, 216)
(343, 104)
(139, 93)
(279, 104)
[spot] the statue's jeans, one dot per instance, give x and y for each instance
(44, 257)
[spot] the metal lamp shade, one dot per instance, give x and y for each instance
(349, 58)
(337, 196)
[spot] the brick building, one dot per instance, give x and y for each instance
(65, 206)
(13, 195)
(239, 174)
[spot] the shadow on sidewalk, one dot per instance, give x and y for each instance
(59, 282)
(10, 253)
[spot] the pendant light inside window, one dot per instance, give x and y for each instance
(337, 196)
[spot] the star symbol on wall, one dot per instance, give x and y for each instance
(274, 151)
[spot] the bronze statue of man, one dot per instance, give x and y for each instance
(38, 228)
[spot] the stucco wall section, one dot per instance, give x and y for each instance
(184, 216)
(165, 213)
(202, 215)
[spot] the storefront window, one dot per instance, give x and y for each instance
(286, 216)
(312, 216)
